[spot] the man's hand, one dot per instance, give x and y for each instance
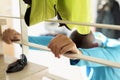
(10, 35)
(62, 44)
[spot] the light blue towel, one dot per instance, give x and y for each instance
(42, 40)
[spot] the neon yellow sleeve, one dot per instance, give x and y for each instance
(41, 10)
(77, 11)
(70, 10)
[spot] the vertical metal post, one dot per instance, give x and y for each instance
(24, 31)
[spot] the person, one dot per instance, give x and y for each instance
(106, 48)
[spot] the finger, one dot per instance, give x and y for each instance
(60, 41)
(55, 40)
(57, 51)
(69, 48)
(8, 41)
(53, 50)
(16, 38)
(17, 33)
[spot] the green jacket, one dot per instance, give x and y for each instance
(69, 10)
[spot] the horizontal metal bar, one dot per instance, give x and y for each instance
(76, 56)
(107, 26)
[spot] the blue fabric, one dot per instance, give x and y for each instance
(42, 40)
(105, 41)
(88, 71)
(108, 53)
(101, 72)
